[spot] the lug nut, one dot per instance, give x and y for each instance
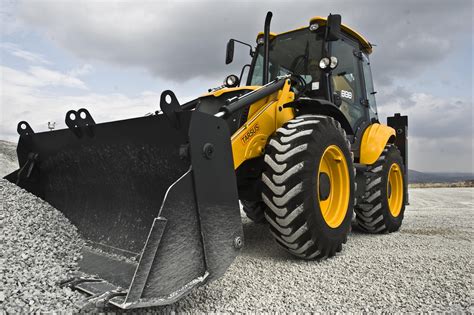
(238, 243)
(208, 151)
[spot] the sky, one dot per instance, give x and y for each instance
(116, 57)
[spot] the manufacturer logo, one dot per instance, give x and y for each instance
(250, 133)
(346, 94)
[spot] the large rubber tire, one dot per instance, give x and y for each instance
(373, 213)
(291, 187)
(254, 210)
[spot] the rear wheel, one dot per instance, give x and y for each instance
(254, 210)
(309, 186)
(383, 205)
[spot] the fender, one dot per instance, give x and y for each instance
(322, 107)
(374, 140)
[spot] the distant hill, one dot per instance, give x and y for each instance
(445, 177)
(8, 163)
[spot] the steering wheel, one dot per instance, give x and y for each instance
(300, 83)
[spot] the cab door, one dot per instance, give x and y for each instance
(346, 82)
(369, 87)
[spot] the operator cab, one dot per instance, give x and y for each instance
(334, 69)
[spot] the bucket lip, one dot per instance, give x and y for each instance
(120, 301)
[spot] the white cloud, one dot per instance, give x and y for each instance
(82, 70)
(29, 56)
(179, 40)
(37, 77)
(54, 78)
(23, 97)
(9, 21)
(183, 40)
(433, 117)
(440, 131)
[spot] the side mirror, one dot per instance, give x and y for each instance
(229, 54)
(333, 27)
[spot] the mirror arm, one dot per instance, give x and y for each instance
(246, 44)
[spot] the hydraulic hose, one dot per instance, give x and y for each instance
(252, 97)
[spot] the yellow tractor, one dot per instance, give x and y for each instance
(157, 197)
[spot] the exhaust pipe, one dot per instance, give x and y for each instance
(266, 48)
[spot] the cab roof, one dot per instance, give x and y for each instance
(321, 21)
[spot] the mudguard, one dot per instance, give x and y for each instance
(374, 140)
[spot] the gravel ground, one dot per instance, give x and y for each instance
(424, 267)
(39, 246)
(8, 161)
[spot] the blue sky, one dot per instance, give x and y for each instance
(115, 58)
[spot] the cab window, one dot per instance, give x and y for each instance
(296, 52)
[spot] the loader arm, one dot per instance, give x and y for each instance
(265, 117)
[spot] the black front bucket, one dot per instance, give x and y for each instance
(156, 201)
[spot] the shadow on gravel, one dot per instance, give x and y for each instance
(259, 243)
(357, 230)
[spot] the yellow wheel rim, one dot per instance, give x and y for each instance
(395, 189)
(334, 203)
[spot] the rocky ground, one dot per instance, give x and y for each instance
(39, 246)
(8, 161)
(424, 267)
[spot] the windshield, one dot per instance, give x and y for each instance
(296, 52)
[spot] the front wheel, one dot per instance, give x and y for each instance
(309, 186)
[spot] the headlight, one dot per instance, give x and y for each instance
(231, 81)
(314, 27)
(333, 63)
(324, 63)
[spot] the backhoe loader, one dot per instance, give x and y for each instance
(156, 198)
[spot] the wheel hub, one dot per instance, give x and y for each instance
(324, 186)
(333, 188)
(395, 189)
